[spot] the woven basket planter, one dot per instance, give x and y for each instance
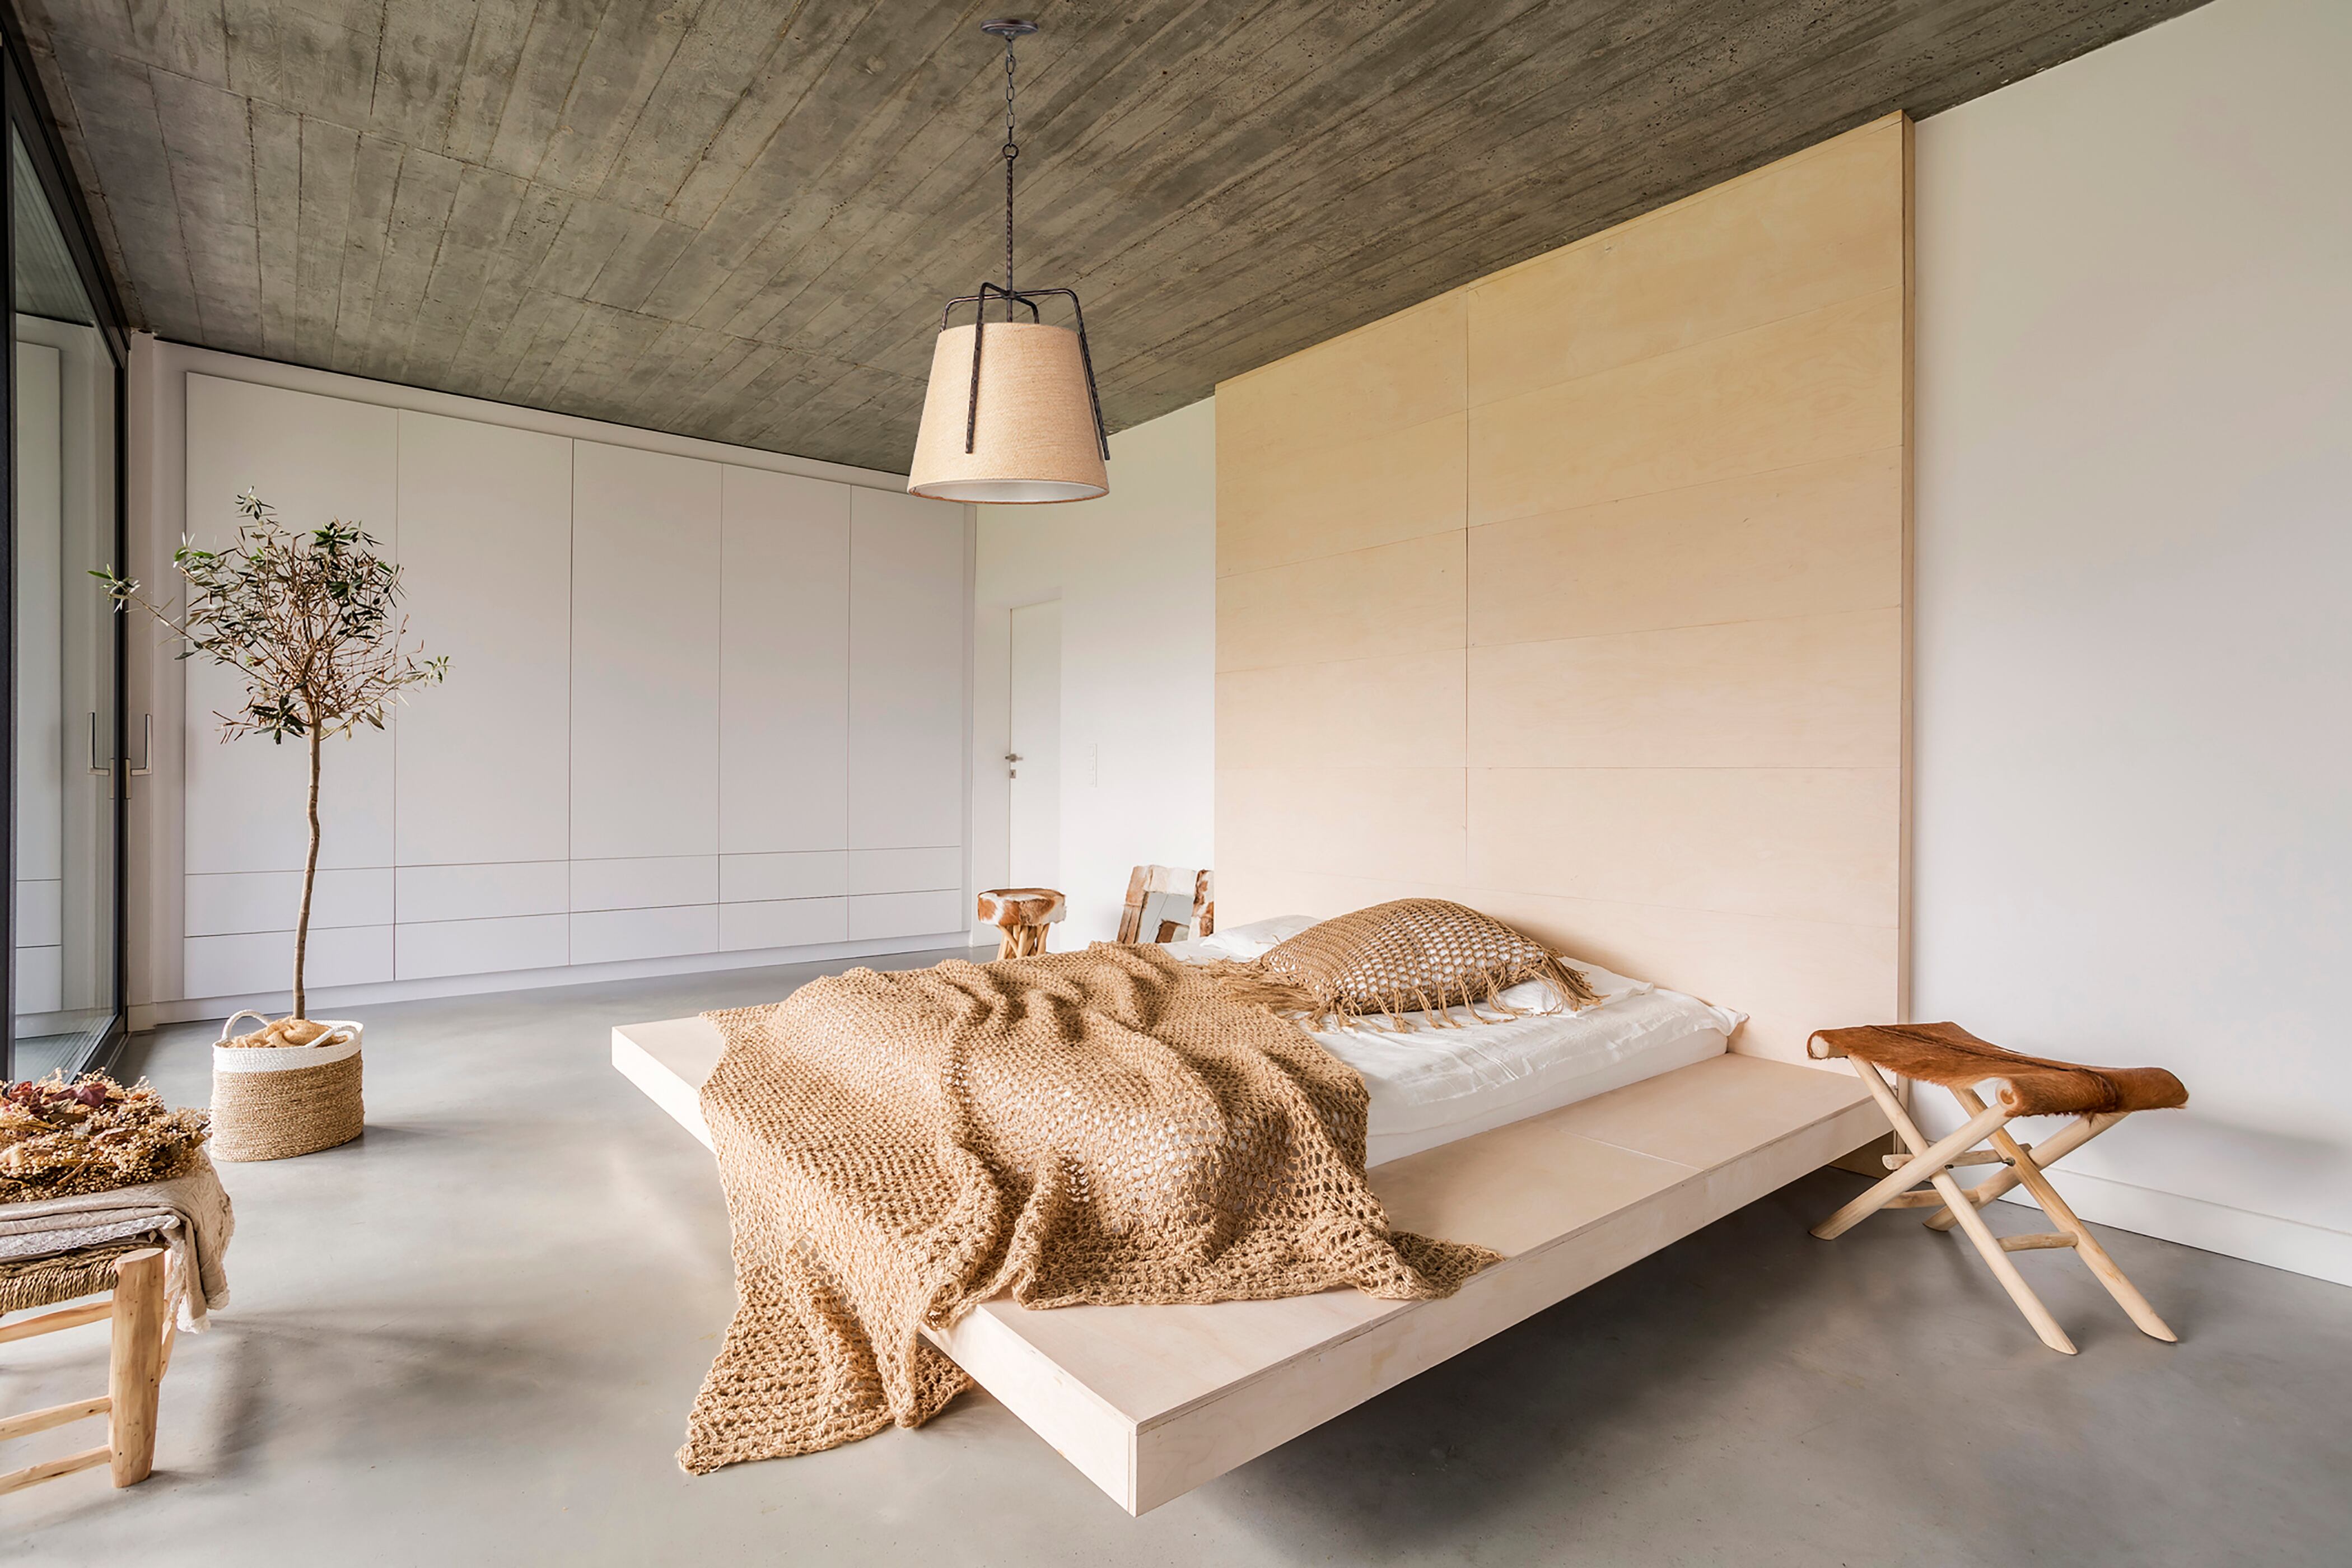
(273, 1103)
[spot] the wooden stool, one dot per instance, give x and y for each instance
(141, 1348)
(1022, 914)
(1946, 1054)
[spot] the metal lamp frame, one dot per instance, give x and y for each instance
(1026, 298)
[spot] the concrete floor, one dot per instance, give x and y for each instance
(472, 1337)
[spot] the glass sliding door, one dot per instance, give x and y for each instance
(67, 773)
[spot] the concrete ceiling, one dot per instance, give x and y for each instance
(738, 218)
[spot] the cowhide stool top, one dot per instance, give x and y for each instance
(1022, 914)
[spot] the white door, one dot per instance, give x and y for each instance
(1032, 748)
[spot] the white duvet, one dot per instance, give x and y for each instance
(1431, 1085)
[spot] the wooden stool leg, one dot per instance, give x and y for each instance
(1008, 943)
(135, 1365)
(2047, 1152)
(2086, 1245)
(1921, 1167)
(1979, 1234)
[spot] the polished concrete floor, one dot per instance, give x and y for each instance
(472, 1336)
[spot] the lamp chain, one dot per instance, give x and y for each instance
(1012, 151)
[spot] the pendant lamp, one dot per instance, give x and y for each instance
(1011, 415)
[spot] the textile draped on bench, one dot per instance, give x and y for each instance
(1106, 1127)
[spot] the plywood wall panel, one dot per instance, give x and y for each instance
(1676, 591)
(1805, 691)
(1814, 229)
(1789, 976)
(1811, 539)
(1398, 598)
(1813, 844)
(1402, 821)
(1374, 490)
(1827, 383)
(1367, 712)
(1396, 372)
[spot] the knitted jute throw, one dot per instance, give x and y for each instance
(1106, 1126)
(1393, 960)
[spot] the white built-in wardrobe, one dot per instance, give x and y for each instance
(693, 707)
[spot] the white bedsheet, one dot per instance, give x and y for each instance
(1431, 1085)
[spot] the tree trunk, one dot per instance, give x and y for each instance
(310, 878)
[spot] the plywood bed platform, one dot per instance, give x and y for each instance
(1150, 1402)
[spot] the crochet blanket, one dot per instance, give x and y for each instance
(1107, 1126)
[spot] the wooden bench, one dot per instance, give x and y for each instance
(131, 1277)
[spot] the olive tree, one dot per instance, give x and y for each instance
(311, 623)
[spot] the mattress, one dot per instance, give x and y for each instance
(1431, 1085)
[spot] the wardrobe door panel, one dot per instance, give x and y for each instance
(428, 950)
(783, 687)
(259, 964)
(753, 879)
(906, 639)
(662, 882)
(906, 870)
(486, 552)
(441, 894)
(878, 915)
(783, 923)
(234, 903)
(645, 655)
(609, 936)
(312, 458)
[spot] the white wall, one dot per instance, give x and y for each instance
(1136, 575)
(2133, 818)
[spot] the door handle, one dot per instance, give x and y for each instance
(107, 772)
(146, 747)
(1012, 769)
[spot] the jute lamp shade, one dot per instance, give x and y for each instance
(1031, 429)
(1011, 415)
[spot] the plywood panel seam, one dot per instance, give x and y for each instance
(1692, 626)
(1516, 518)
(1695, 345)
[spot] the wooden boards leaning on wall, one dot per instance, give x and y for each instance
(1579, 595)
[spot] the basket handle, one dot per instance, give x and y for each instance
(334, 1037)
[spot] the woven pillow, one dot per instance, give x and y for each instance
(1413, 956)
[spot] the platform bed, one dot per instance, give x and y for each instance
(1150, 1402)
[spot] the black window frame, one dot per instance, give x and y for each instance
(26, 111)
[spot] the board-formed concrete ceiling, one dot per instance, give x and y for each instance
(738, 218)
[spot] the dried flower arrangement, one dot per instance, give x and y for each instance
(58, 1139)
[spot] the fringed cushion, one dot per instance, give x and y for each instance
(1415, 955)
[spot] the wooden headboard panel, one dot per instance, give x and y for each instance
(1579, 595)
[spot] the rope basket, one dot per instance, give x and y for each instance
(273, 1103)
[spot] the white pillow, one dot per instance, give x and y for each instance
(1245, 942)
